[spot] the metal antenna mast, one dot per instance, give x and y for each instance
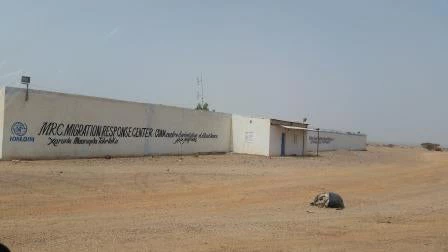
(200, 89)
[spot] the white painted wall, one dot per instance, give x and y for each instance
(65, 109)
(293, 141)
(2, 123)
(335, 141)
(250, 135)
(275, 140)
(38, 129)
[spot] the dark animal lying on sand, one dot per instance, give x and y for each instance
(328, 200)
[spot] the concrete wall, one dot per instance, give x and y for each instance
(2, 122)
(293, 141)
(56, 125)
(335, 141)
(250, 135)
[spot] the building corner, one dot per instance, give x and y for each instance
(2, 120)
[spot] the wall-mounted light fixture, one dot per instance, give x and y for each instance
(26, 80)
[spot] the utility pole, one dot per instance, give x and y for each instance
(318, 140)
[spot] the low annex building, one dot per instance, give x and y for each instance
(273, 137)
(268, 137)
(51, 125)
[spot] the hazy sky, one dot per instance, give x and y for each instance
(379, 67)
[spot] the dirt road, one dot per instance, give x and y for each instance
(396, 200)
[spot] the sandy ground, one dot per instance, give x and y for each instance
(396, 200)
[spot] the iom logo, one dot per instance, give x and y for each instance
(19, 130)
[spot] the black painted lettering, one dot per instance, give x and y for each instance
(60, 129)
(44, 129)
(69, 130)
(53, 127)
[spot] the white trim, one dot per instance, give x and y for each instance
(297, 128)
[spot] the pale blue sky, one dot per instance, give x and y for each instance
(379, 67)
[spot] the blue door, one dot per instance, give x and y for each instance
(282, 152)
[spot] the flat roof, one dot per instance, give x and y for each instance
(289, 123)
(297, 128)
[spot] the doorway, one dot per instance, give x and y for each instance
(282, 149)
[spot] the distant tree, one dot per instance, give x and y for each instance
(203, 107)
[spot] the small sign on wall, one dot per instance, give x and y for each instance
(249, 137)
(322, 140)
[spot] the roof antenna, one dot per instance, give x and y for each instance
(200, 93)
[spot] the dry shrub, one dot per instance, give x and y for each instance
(431, 146)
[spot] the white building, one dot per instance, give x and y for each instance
(53, 125)
(273, 137)
(268, 137)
